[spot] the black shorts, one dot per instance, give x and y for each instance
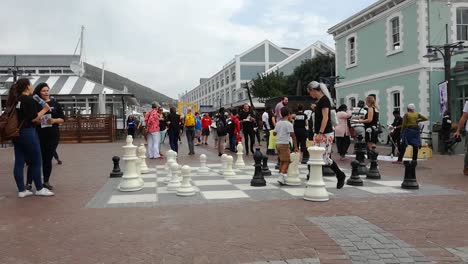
(205, 132)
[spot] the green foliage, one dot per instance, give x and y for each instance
(276, 84)
(270, 85)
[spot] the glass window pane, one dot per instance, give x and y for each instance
(464, 16)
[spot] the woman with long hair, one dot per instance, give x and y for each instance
(27, 146)
(323, 129)
(371, 122)
(49, 134)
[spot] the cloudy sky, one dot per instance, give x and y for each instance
(167, 45)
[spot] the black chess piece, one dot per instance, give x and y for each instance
(258, 180)
(373, 172)
(360, 149)
(355, 180)
(116, 172)
(410, 181)
(265, 170)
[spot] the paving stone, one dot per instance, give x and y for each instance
(311, 261)
(277, 262)
(391, 261)
(294, 261)
(406, 260)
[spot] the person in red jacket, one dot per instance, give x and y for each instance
(233, 128)
(206, 123)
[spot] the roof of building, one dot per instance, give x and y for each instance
(67, 85)
(38, 60)
(364, 15)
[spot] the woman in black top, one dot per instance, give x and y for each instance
(247, 120)
(49, 133)
(323, 128)
(173, 128)
(27, 146)
(162, 129)
(371, 121)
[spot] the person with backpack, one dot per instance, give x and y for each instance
(48, 133)
(26, 145)
(221, 130)
(189, 124)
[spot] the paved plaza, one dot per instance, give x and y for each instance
(228, 221)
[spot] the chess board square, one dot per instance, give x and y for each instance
(224, 194)
(294, 191)
(243, 177)
(163, 190)
(211, 182)
(389, 183)
(247, 186)
(382, 190)
(148, 176)
(160, 179)
(134, 198)
(150, 184)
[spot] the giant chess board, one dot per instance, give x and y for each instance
(214, 188)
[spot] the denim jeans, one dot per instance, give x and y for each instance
(232, 142)
(27, 148)
(190, 133)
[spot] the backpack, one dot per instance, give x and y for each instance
(9, 125)
(221, 128)
(230, 125)
(189, 120)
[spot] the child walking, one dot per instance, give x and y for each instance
(284, 132)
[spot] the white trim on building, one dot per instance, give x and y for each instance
(392, 47)
(390, 106)
(348, 50)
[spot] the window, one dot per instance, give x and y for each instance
(462, 24)
(396, 101)
(228, 99)
(395, 22)
(56, 71)
(233, 76)
(67, 71)
(227, 79)
(44, 71)
(240, 96)
(222, 82)
(3, 71)
(352, 50)
(352, 102)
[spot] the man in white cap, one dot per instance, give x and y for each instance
(410, 134)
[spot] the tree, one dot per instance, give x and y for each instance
(310, 70)
(270, 85)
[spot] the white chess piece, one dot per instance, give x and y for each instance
(175, 182)
(168, 177)
(223, 163)
(131, 181)
(142, 155)
(229, 172)
(315, 188)
(293, 175)
(203, 168)
(186, 188)
(240, 158)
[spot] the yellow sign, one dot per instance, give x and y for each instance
(182, 107)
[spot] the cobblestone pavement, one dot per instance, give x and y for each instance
(62, 229)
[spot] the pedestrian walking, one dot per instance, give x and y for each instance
(205, 124)
(323, 128)
(342, 133)
(189, 126)
(173, 128)
(221, 130)
(247, 121)
(152, 123)
(395, 134)
(131, 126)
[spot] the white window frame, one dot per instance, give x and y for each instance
(389, 28)
(465, 25)
(455, 7)
(348, 51)
(390, 105)
(348, 100)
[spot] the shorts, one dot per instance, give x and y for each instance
(283, 152)
(197, 133)
(205, 132)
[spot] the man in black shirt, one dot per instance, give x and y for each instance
(300, 131)
(173, 128)
(247, 122)
(396, 133)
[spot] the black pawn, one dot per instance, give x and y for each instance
(265, 170)
(355, 180)
(410, 181)
(116, 172)
(258, 180)
(373, 172)
(361, 149)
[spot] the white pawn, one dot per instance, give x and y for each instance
(315, 188)
(175, 182)
(185, 188)
(168, 177)
(142, 155)
(229, 172)
(293, 175)
(203, 168)
(240, 158)
(223, 163)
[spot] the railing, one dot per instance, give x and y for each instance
(88, 129)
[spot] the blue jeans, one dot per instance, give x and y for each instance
(27, 148)
(190, 133)
(232, 142)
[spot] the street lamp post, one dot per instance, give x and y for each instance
(446, 51)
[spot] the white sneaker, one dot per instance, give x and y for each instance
(44, 192)
(26, 193)
(281, 179)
